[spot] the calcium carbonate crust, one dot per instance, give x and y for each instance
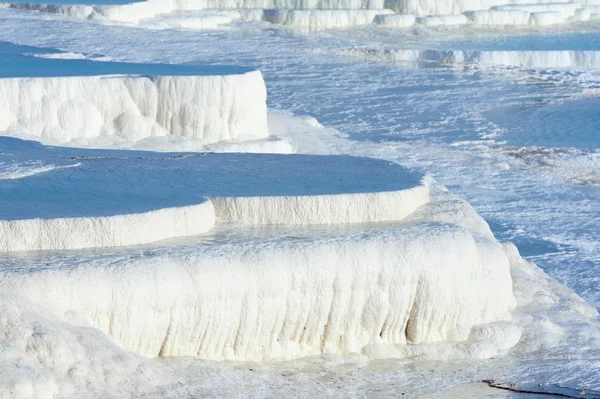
(52, 354)
(322, 209)
(429, 279)
(514, 58)
(436, 285)
(108, 231)
(323, 14)
(133, 108)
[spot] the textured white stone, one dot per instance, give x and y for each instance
(136, 12)
(442, 20)
(567, 9)
(436, 7)
(532, 59)
(503, 335)
(395, 20)
(499, 17)
(545, 18)
(429, 280)
(108, 231)
(208, 108)
(289, 4)
(322, 209)
(318, 19)
(526, 59)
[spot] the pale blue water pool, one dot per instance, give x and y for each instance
(564, 124)
(105, 183)
(581, 41)
(18, 61)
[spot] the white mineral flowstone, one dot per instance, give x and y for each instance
(499, 17)
(45, 357)
(567, 9)
(107, 231)
(321, 19)
(322, 209)
(48, 352)
(546, 18)
(442, 20)
(436, 7)
(210, 108)
(75, 11)
(283, 294)
(321, 14)
(135, 13)
(284, 4)
(395, 20)
(200, 20)
(525, 59)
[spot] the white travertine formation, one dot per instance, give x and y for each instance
(533, 59)
(135, 12)
(322, 209)
(75, 11)
(545, 18)
(395, 20)
(442, 20)
(107, 231)
(436, 7)
(567, 9)
(526, 59)
(289, 4)
(499, 17)
(429, 280)
(209, 19)
(318, 19)
(208, 108)
(330, 13)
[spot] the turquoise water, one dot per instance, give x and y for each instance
(15, 62)
(564, 124)
(104, 183)
(581, 41)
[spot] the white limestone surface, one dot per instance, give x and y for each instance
(499, 17)
(442, 20)
(135, 13)
(525, 59)
(546, 18)
(583, 14)
(436, 7)
(208, 108)
(316, 14)
(199, 20)
(395, 20)
(76, 11)
(107, 231)
(535, 59)
(284, 4)
(322, 19)
(45, 357)
(322, 209)
(567, 9)
(128, 13)
(272, 295)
